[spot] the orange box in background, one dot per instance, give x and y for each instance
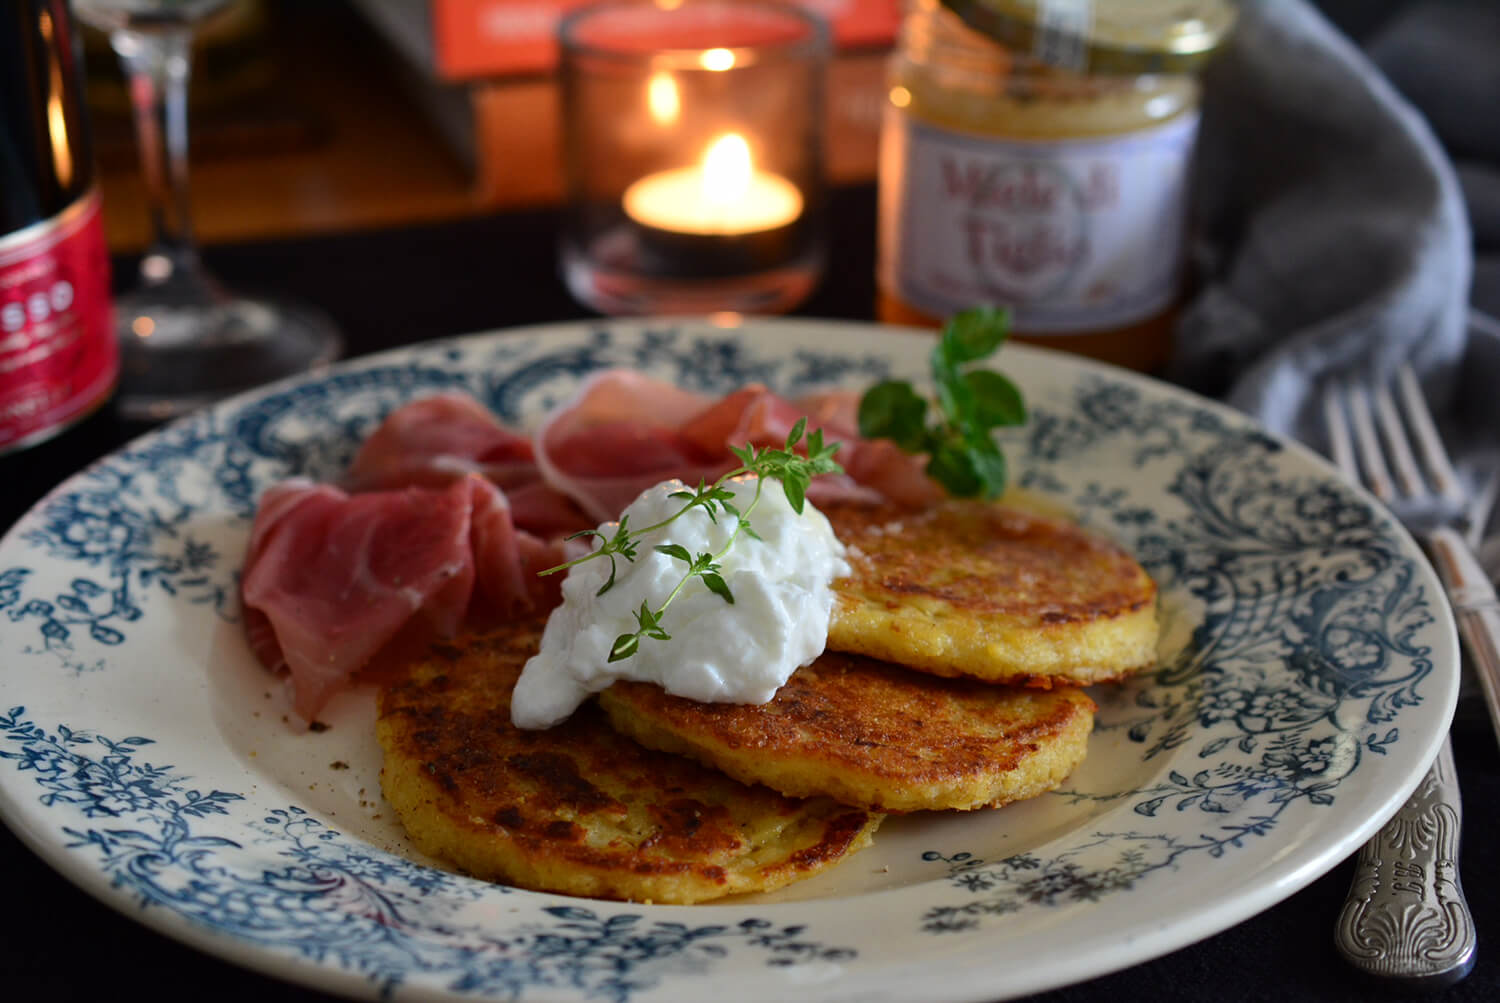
(484, 38)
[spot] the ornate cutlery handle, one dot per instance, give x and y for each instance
(1405, 917)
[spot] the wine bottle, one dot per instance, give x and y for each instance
(58, 353)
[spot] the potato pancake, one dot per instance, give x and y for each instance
(971, 588)
(873, 734)
(580, 809)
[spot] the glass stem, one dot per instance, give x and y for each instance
(157, 68)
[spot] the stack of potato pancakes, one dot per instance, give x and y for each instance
(951, 682)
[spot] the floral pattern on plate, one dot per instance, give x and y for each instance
(1307, 674)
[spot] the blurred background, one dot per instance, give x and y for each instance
(323, 116)
(316, 116)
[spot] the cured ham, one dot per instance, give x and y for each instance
(332, 578)
(442, 520)
(336, 576)
(622, 434)
(430, 442)
(625, 432)
(445, 516)
(434, 440)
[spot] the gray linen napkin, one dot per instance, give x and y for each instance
(1444, 56)
(1335, 236)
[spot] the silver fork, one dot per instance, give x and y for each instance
(1405, 917)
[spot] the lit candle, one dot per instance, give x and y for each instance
(724, 195)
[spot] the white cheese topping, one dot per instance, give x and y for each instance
(719, 652)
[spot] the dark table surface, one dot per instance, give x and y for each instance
(395, 287)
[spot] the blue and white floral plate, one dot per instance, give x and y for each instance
(1308, 671)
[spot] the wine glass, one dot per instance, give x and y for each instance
(184, 339)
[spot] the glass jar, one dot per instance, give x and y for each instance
(1035, 154)
(694, 153)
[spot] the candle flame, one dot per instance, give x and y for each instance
(662, 98)
(717, 59)
(726, 169)
(722, 195)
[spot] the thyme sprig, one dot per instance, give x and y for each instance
(794, 470)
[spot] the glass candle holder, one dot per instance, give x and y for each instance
(693, 142)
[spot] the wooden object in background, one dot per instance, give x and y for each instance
(462, 40)
(361, 154)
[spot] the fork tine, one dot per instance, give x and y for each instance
(1429, 443)
(1398, 445)
(1341, 445)
(1479, 510)
(1367, 441)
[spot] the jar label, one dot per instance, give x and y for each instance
(1073, 235)
(58, 353)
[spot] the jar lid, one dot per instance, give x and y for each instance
(1105, 36)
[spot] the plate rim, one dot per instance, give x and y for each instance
(1214, 917)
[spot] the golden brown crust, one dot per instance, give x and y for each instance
(578, 808)
(992, 591)
(872, 734)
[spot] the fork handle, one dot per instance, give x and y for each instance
(1476, 609)
(1406, 918)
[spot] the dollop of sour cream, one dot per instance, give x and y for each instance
(719, 652)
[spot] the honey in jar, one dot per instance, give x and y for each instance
(1035, 154)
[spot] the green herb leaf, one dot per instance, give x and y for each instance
(649, 622)
(956, 400)
(953, 468)
(892, 410)
(989, 467)
(718, 587)
(625, 645)
(609, 582)
(974, 334)
(795, 435)
(997, 401)
(676, 550)
(796, 492)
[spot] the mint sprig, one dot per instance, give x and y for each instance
(795, 472)
(962, 454)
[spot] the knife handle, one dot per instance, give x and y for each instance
(1405, 918)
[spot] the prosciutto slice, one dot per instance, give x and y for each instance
(431, 442)
(434, 440)
(333, 578)
(620, 436)
(625, 432)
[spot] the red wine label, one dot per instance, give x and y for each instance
(58, 354)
